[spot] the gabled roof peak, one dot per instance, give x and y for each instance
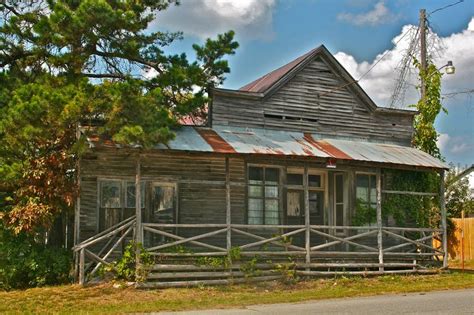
(266, 81)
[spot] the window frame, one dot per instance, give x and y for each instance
(368, 202)
(263, 196)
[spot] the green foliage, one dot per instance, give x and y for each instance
(364, 215)
(126, 267)
(458, 195)
(220, 261)
(93, 63)
(249, 268)
(407, 210)
(428, 108)
(288, 271)
(25, 263)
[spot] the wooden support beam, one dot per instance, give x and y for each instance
(187, 240)
(269, 240)
(152, 230)
(343, 240)
(82, 259)
(379, 218)
(412, 193)
(258, 237)
(307, 221)
(442, 206)
(228, 207)
(138, 206)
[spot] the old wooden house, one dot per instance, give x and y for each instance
(292, 168)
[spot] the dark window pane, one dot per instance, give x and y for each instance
(256, 173)
(362, 180)
(314, 180)
(316, 202)
(339, 215)
(294, 179)
(131, 195)
(339, 189)
(271, 176)
(110, 194)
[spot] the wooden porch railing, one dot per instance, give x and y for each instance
(112, 237)
(406, 242)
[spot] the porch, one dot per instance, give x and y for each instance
(316, 232)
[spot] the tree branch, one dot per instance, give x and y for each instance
(104, 75)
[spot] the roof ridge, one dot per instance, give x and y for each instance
(264, 82)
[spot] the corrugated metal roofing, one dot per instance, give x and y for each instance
(266, 81)
(221, 139)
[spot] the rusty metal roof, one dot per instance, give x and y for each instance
(266, 81)
(237, 140)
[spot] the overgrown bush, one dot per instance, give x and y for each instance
(26, 263)
(126, 267)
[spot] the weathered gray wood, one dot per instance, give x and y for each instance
(198, 225)
(102, 237)
(269, 240)
(353, 237)
(181, 284)
(307, 216)
(205, 274)
(411, 193)
(106, 231)
(96, 258)
(417, 242)
(82, 258)
(379, 217)
(186, 240)
(373, 273)
(442, 206)
(228, 214)
(111, 250)
(263, 238)
(343, 240)
(170, 235)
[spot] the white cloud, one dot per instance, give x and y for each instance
(443, 141)
(379, 83)
(251, 19)
(380, 14)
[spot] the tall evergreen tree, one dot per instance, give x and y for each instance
(66, 62)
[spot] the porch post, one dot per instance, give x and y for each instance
(228, 212)
(379, 218)
(442, 206)
(138, 206)
(306, 217)
(138, 216)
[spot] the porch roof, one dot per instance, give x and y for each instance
(237, 140)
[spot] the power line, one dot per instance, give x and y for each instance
(458, 92)
(445, 7)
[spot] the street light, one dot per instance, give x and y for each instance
(450, 69)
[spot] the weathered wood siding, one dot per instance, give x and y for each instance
(198, 202)
(296, 106)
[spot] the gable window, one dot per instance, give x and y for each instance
(263, 195)
(366, 199)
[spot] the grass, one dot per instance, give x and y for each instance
(468, 264)
(107, 299)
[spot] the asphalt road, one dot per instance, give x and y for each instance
(439, 302)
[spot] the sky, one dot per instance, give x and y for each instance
(362, 34)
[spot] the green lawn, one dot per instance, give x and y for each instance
(106, 299)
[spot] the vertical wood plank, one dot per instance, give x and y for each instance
(138, 206)
(442, 206)
(306, 215)
(228, 206)
(82, 258)
(379, 218)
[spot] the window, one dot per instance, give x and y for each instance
(263, 195)
(366, 203)
(339, 198)
(130, 197)
(117, 201)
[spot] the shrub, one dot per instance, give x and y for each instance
(25, 263)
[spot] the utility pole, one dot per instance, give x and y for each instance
(423, 52)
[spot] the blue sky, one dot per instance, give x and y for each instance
(272, 33)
